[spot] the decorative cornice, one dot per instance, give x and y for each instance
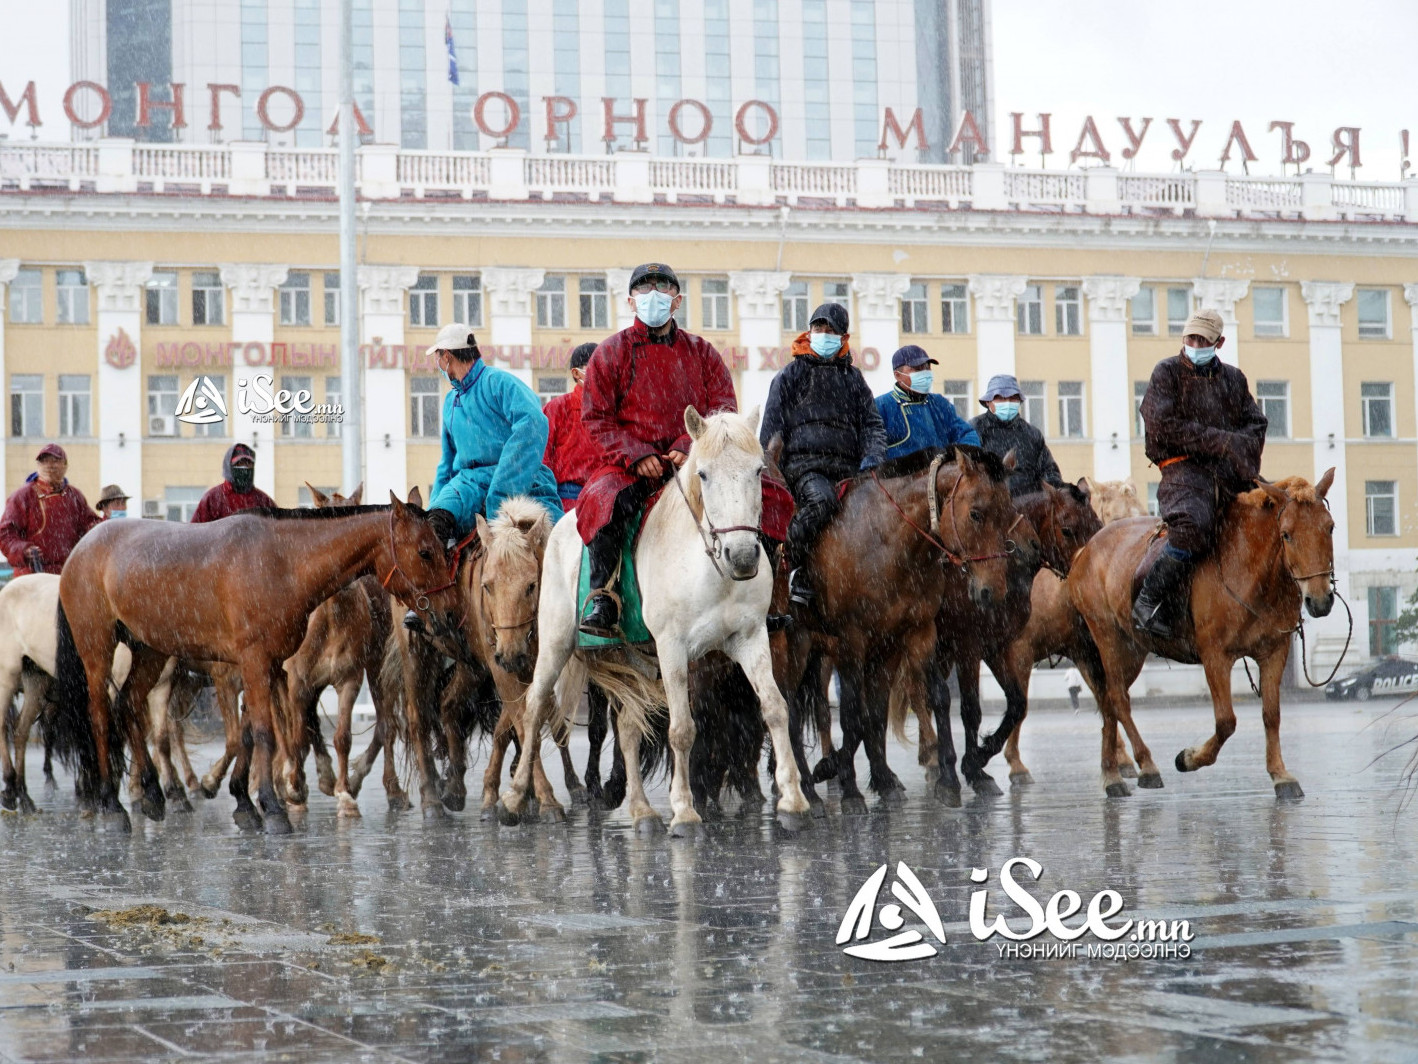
(383, 287)
(1324, 299)
(253, 286)
(8, 269)
(1108, 296)
(1220, 294)
(119, 284)
(510, 289)
(1410, 293)
(879, 295)
(995, 294)
(758, 291)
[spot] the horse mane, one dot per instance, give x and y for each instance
(1298, 488)
(909, 465)
(326, 513)
(521, 526)
(722, 431)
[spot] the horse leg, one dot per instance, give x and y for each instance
(573, 782)
(974, 758)
(455, 786)
(134, 709)
(755, 658)
(265, 685)
(501, 738)
(1126, 766)
(345, 805)
(926, 755)
(850, 712)
(1272, 669)
(539, 702)
(1108, 679)
(552, 811)
(325, 770)
(14, 770)
(420, 667)
(935, 675)
(246, 816)
(228, 697)
(1218, 678)
(159, 703)
(876, 693)
(177, 737)
(642, 814)
(799, 704)
(49, 762)
(613, 792)
(597, 717)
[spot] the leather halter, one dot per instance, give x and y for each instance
(961, 561)
(709, 535)
(421, 599)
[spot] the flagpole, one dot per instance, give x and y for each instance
(352, 390)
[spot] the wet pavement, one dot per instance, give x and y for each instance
(392, 938)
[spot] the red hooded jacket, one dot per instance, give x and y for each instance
(53, 521)
(224, 500)
(571, 454)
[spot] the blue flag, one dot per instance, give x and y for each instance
(452, 55)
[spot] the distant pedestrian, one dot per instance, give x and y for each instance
(112, 502)
(1073, 680)
(44, 519)
(236, 492)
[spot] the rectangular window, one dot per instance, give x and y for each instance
(1154, 508)
(1068, 310)
(295, 299)
(795, 308)
(1273, 397)
(332, 299)
(954, 308)
(839, 292)
(1268, 306)
(1030, 309)
(681, 312)
(162, 405)
(333, 391)
(217, 429)
(1144, 312)
(468, 300)
(75, 404)
(915, 316)
(423, 413)
(958, 392)
(27, 298)
(1034, 405)
(1381, 507)
(1179, 309)
(180, 503)
(714, 302)
(550, 385)
(1383, 615)
(1376, 399)
(1070, 408)
(26, 404)
(1373, 313)
(73, 297)
(423, 302)
(1139, 392)
(161, 293)
(290, 428)
(551, 303)
(208, 299)
(595, 303)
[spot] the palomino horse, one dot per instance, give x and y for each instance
(1276, 551)
(28, 640)
(239, 590)
(1114, 499)
(695, 601)
(883, 565)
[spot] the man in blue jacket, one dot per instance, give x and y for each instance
(914, 417)
(494, 436)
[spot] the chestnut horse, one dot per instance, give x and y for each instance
(1114, 499)
(239, 590)
(1276, 551)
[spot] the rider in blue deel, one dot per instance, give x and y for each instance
(916, 418)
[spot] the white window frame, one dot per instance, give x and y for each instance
(208, 285)
(1029, 311)
(1069, 406)
(551, 302)
(423, 302)
(955, 309)
(795, 308)
(468, 299)
(291, 429)
(1386, 332)
(839, 292)
(1144, 326)
(75, 405)
(1139, 392)
(295, 299)
(1176, 325)
(1270, 330)
(425, 408)
(180, 501)
(716, 305)
(160, 296)
(1276, 428)
(916, 309)
(27, 297)
(73, 297)
(593, 303)
(1068, 310)
(1366, 404)
(1370, 497)
(163, 392)
(1154, 508)
(960, 393)
(334, 392)
(1035, 408)
(330, 284)
(26, 404)
(220, 428)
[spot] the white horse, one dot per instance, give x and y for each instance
(28, 644)
(702, 589)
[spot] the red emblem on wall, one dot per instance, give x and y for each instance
(120, 352)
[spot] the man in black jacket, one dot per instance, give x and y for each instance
(824, 412)
(1003, 429)
(1206, 434)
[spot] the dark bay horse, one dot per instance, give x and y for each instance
(240, 590)
(1276, 551)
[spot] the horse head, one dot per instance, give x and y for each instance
(979, 516)
(722, 482)
(1068, 522)
(420, 557)
(1306, 537)
(514, 543)
(1113, 500)
(323, 501)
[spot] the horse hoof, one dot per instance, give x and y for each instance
(649, 826)
(434, 811)
(824, 770)
(854, 805)
(1288, 789)
(327, 785)
(947, 795)
(596, 803)
(49, 783)
(892, 797)
(817, 808)
(1150, 780)
(553, 813)
(8, 801)
(119, 821)
(1181, 762)
(711, 810)
(455, 801)
(985, 786)
(794, 823)
(688, 829)
(154, 808)
(1128, 772)
(247, 819)
(346, 807)
(1020, 779)
(579, 796)
(209, 790)
(180, 802)
(506, 817)
(1118, 790)
(398, 803)
(277, 823)
(26, 804)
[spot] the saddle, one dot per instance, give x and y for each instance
(625, 587)
(1182, 608)
(1155, 543)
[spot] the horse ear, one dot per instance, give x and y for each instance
(693, 423)
(394, 504)
(1273, 493)
(966, 463)
(752, 418)
(321, 499)
(1010, 461)
(1325, 483)
(484, 533)
(415, 496)
(1130, 486)
(1049, 489)
(356, 495)
(1085, 486)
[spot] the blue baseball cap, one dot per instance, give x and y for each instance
(911, 355)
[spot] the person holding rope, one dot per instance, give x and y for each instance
(638, 384)
(823, 411)
(1205, 433)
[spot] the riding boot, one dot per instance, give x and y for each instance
(1158, 606)
(799, 590)
(602, 615)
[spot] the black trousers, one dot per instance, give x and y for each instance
(605, 545)
(1193, 503)
(816, 503)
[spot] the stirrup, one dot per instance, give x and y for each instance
(587, 607)
(800, 592)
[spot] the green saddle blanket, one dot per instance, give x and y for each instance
(627, 586)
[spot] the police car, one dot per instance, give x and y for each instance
(1390, 676)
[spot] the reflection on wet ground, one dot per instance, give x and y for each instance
(391, 938)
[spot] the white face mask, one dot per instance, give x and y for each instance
(653, 308)
(1200, 356)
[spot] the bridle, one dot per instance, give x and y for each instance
(709, 534)
(960, 560)
(421, 599)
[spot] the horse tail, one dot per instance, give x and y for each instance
(640, 705)
(899, 706)
(389, 678)
(71, 727)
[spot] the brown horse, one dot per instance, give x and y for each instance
(1114, 499)
(1276, 551)
(239, 590)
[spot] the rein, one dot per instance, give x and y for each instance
(961, 561)
(421, 600)
(713, 549)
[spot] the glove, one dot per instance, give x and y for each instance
(34, 559)
(445, 526)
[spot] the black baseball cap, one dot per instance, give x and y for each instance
(835, 314)
(651, 271)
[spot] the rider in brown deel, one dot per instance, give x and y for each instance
(1205, 433)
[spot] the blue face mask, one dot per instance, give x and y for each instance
(1006, 411)
(921, 381)
(446, 376)
(653, 308)
(112, 514)
(825, 345)
(1200, 356)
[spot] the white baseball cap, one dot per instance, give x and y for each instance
(452, 337)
